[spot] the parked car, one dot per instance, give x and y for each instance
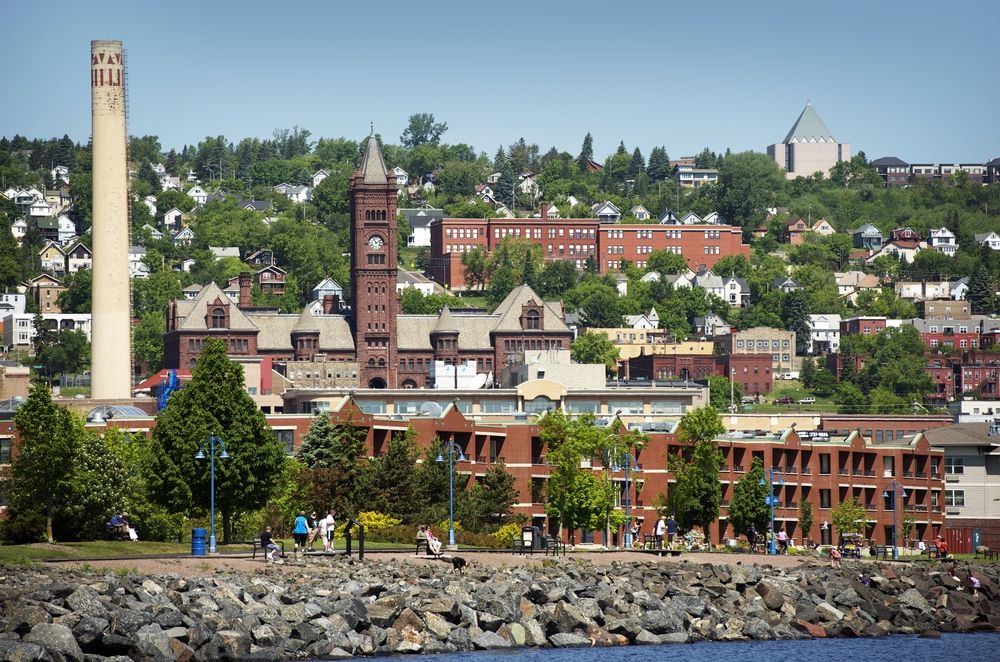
(784, 400)
(806, 401)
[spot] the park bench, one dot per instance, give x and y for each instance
(422, 543)
(255, 543)
(554, 545)
(648, 541)
(883, 552)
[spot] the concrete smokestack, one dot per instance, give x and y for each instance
(111, 349)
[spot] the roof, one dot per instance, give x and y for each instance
(961, 434)
(445, 323)
(306, 321)
(195, 311)
(809, 128)
(276, 331)
(887, 161)
(372, 165)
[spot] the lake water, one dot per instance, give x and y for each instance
(975, 646)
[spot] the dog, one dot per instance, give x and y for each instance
(458, 565)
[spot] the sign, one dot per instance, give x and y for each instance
(771, 501)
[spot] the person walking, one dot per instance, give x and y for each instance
(660, 531)
(300, 531)
(327, 526)
(313, 523)
(783, 540)
(672, 527)
(752, 538)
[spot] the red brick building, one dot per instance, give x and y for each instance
(578, 240)
(865, 325)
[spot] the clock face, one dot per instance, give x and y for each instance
(375, 242)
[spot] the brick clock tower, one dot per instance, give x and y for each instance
(373, 269)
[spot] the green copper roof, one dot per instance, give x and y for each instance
(809, 128)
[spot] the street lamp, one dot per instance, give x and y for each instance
(200, 455)
(772, 501)
(894, 489)
(630, 463)
(452, 448)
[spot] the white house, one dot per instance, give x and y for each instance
(711, 283)
(60, 174)
(298, 194)
(79, 257)
(67, 229)
(198, 194)
(943, 240)
(136, 266)
(224, 251)
(19, 228)
(711, 325)
(318, 177)
(650, 320)
(823, 228)
(529, 187)
(150, 202)
(170, 183)
(153, 232)
(991, 239)
(852, 283)
(824, 334)
(402, 177)
(737, 291)
(11, 303)
(172, 218)
(606, 212)
(640, 213)
(923, 290)
(40, 209)
(906, 251)
(621, 284)
(184, 237)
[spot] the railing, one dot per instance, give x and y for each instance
(724, 467)
(481, 458)
(870, 506)
(791, 470)
(738, 468)
(843, 472)
(921, 474)
(538, 459)
(907, 474)
(857, 472)
(869, 474)
(805, 469)
(917, 508)
(791, 504)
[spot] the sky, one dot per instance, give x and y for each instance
(912, 79)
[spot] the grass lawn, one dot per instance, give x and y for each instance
(794, 389)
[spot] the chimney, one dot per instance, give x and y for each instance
(331, 304)
(246, 299)
(545, 209)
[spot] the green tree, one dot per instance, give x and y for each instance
(215, 402)
(849, 516)
(806, 519)
(659, 164)
(69, 352)
(699, 493)
(422, 129)
(749, 505)
(41, 472)
(77, 295)
(476, 267)
(849, 398)
(573, 494)
(336, 449)
(147, 342)
(586, 153)
(980, 291)
(432, 484)
(595, 348)
(795, 315)
(390, 479)
(807, 373)
(665, 262)
(489, 500)
(556, 278)
(602, 309)
(720, 393)
(749, 183)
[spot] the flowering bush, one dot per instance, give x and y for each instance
(508, 533)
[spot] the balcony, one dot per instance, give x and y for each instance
(843, 472)
(921, 474)
(806, 469)
(870, 506)
(725, 503)
(869, 473)
(480, 459)
(907, 474)
(738, 468)
(917, 508)
(790, 470)
(791, 504)
(538, 459)
(724, 468)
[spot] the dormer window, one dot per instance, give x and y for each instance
(532, 320)
(218, 318)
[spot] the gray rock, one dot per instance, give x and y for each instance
(534, 634)
(567, 618)
(514, 633)
(912, 598)
(57, 639)
(660, 621)
(227, 645)
(490, 640)
(86, 600)
(674, 638)
(757, 628)
(691, 604)
(828, 612)
(152, 644)
(771, 593)
(17, 651)
(568, 640)
(647, 638)
(23, 618)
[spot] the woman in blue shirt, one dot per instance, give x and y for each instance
(301, 531)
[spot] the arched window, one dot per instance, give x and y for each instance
(532, 320)
(218, 318)
(381, 363)
(371, 363)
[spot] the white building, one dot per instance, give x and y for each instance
(19, 329)
(824, 334)
(136, 265)
(943, 240)
(198, 194)
(991, 239)
(11, 304)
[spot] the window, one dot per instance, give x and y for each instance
(824, 497)
(824, 465)
(954, 498)
(218, 318)
(954, 465)
(286, 439)
(5, 450)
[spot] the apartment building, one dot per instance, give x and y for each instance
(778, 343)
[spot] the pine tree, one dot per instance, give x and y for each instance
(980, 292)
(586, 153)
(807, 372)
(638, 164)
(391, 480)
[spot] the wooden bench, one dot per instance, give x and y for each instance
(422, 542)
(932, 552)
(255, 543)
(648, 541)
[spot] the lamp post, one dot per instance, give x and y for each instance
(771, 502)
(629, 464)
(894, 489)
(452, 447)
(200, 455)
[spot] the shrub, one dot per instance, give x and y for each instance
(508, 533)
(23, 528)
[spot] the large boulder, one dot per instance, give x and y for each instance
(57, 639)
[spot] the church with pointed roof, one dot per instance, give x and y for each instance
(374, 345)
(809, 147)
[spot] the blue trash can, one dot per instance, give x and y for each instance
(197, 542)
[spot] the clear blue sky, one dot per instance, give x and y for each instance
(912, 79)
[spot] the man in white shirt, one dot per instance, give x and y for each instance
(326, 528)
(661, 529)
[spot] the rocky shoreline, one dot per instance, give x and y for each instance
(337, 608)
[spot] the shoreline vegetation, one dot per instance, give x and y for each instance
(333, 606)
